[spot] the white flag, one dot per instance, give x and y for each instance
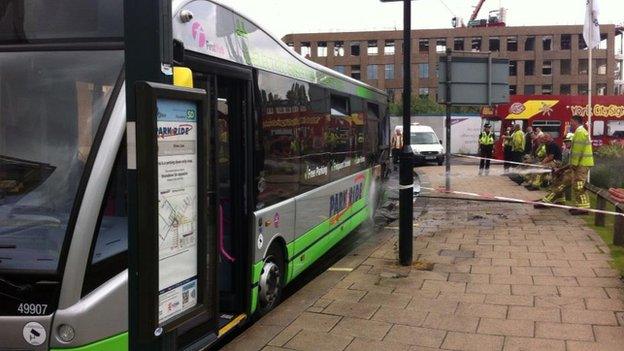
(591, 29)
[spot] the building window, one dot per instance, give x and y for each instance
(529, 68)
(339, 50)
(547, 68)
(603, 41)
(372, 49)
(371, 72)
(582, 89)
(566, 42)
(458, 44)
(305, 49)
(513, 68)
(441, 45)
(321, 49)
(512, 43)
(340, 69)
(565, 67)
(423, 92)
(565, 89)
(389, 72)
(581, 43)
(529, 89)
(423, 70)
(475, 44)
(601, 89)
(601, 66)
(355, 72)
(290, 44)
(547, 89)
(389, 47)
(494, 44)
(547, 43)
(529, 44)
(355, 48)
(582, 66)
(423, 45)
(512, 90)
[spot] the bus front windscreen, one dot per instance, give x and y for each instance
(51, 105)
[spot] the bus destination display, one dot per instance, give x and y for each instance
(176, 130)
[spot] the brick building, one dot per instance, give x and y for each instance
(542, 59)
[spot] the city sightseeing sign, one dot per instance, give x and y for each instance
(614, 111)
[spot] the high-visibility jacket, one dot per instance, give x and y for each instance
(517, 141)
(581, 153)
(486, 138)
(541, 151)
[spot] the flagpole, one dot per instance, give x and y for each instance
(589, 81)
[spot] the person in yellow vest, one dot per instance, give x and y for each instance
(550, 156)
(486, 147)
(575, 173)
(507, 148)
(517, 144)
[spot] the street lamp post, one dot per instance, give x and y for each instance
(406, 176)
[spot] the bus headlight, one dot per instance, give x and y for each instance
(66, 332)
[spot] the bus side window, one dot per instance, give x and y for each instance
(109, 250)
(372, 132)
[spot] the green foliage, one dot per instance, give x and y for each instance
(611, 151)
(423, 105)
(608, 171)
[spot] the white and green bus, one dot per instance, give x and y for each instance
(298, 149)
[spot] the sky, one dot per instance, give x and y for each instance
(281, 17)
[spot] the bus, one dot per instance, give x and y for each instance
(552, 114)
(298, 149)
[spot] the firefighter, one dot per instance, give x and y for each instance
(551, 158)
(575, 173)
(486, 146)
(565, 153)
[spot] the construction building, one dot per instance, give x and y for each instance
(542, 59)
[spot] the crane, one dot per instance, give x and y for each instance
(476, 10)
(496, 18)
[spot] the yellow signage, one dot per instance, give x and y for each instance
(531, 108)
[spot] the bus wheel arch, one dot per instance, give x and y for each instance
(272, 276)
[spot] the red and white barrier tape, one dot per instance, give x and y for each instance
(520, 201)
(495, 160)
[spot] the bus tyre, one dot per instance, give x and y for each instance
(271, 280)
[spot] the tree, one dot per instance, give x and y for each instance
(423, 105)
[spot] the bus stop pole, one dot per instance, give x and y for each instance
(406, 180)
(148, 46)
(448, 120)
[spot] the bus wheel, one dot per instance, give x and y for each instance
(271, 280)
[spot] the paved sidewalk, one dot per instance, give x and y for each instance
(504, 277)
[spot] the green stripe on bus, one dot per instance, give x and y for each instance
(256, 271)
(118, 342)
(320, 247)
(364, 93)
(254, 300)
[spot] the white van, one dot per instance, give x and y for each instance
(426, 145)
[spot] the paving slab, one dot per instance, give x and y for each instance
(504, 277)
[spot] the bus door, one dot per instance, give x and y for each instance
(230, 111)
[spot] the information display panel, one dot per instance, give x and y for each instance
(177, 247)
(176, 133)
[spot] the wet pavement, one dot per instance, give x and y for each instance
(487, 276)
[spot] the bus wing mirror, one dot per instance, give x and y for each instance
(182, 77)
